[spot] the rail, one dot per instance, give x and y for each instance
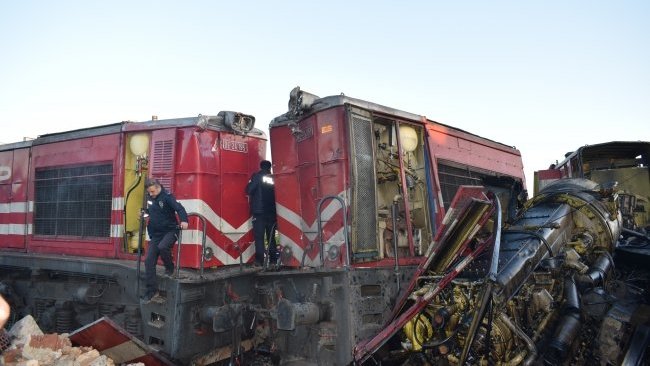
(345, 229)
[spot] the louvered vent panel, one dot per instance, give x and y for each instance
(163, 156)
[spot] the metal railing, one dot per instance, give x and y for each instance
(203, 240)
(345, 228)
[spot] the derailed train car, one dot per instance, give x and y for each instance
(563, 282)
(361, 190)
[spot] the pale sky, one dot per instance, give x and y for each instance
(544, 76)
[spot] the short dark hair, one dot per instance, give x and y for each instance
(265, 164)
(150, 182)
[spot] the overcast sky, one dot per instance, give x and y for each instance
(544, 76)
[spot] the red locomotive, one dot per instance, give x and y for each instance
(360, 189)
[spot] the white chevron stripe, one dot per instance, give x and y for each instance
(17, 207)
(232, 233)
(190, 237)
(290, 216)
(297, 252)
(15, 229)
(194, 237)
(117, 203)
(311, 231)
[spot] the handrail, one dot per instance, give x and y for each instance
(203, 240)
(345, 228)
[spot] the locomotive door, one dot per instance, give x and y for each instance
(390, 183)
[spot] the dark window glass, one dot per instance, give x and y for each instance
(74, 201)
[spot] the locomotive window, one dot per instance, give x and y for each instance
(74, 201)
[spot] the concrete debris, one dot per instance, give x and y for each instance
(30, 347)
(23, 329)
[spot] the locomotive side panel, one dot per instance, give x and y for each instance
(15, 208)
(310, 164)
(240, 158)
(463, 159)
(334, 181)
(455, 145)
(212, 171)
(77, 185)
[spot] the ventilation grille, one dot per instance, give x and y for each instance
(364, 223)
(452, 177)
(74, 201)
(163, 156)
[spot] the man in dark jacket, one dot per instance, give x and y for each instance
(261, 196)
(163, 232)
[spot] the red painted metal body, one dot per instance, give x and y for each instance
(15, 210)
(205, 168)
(306, 169)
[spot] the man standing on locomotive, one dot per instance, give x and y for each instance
(261, 197)
(163, 232)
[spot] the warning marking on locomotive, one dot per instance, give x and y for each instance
(326, 129)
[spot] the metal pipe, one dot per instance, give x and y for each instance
(407, 208)
(497, 242)
(568, 328)
(140, 241)
(636, 233)
(532, 350)
(178, 251)
(394, 214)
(597, 273)
(126, 201)
(203, 241)
(271, 237)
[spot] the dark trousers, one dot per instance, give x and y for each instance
(264, 226)
(159, 245)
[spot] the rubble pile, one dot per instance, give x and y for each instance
(30, 347)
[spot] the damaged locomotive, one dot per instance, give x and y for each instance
(562, 282)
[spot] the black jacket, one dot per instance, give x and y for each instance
(162, 210)
(261, 193)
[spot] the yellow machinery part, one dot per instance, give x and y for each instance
(418, 330)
